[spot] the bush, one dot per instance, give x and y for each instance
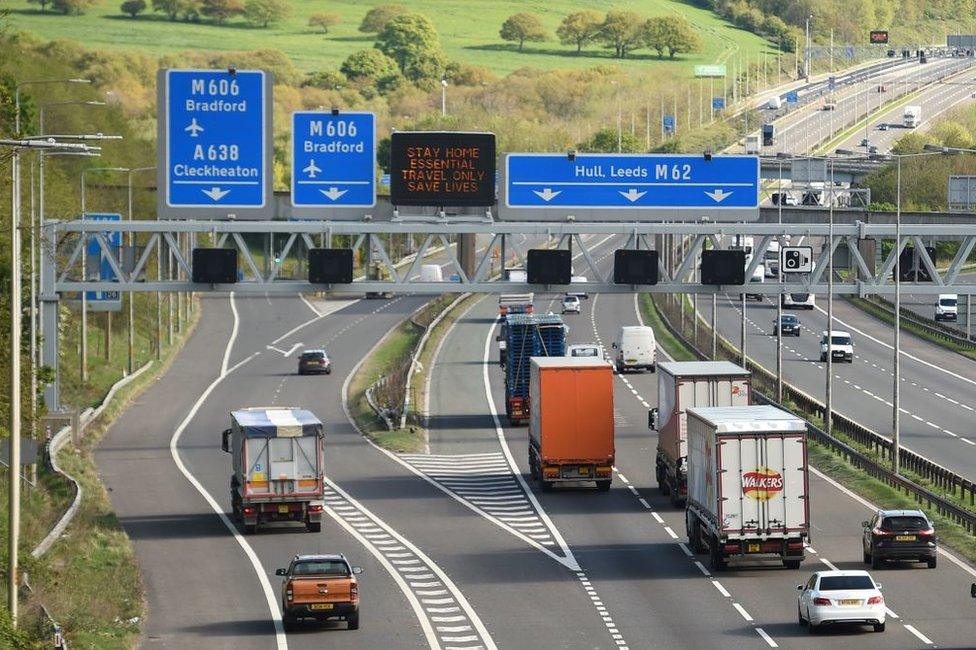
(324, 21)
(133, 7)
(266, 12)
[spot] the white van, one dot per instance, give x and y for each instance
(799, 301)
(758, 277)
(431, 273)
(636, 349)
(947, 308)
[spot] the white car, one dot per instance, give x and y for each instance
(585, 350)
(947, 307)
(833, 597)
(840, 348)
(571, 304)
(579, 293)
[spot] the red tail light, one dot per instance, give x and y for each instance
(249, 510)
(875, 600)
(354, 590)
(821, 601)
(315, 508)
(928, 532)
(289, 594)
(882, 533)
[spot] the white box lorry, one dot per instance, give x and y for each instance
(748, 485)
(682, 385)
(912, 116)
(278, 469)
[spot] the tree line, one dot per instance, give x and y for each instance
(620, 31)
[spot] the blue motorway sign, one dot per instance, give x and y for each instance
(215, 132)
(792, 97)
(104, 300)
(333, 159)
(648, 181)
(718, 103)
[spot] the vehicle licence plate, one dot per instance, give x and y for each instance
(321, 606)
(752, 548)
(905, 538)
(584, 471)
(282, 510)
(850, 601)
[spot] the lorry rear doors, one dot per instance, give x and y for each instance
(763, 483)
(282, 465)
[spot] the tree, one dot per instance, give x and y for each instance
(221, 10)
(326, 79)
(605, 141)
(133, 7)
(671, 34)
(43, 3)
(266, 12)
(579, 28)
(523, 27)
(174, 9)
(412, 42)
(369, 64)
(72, 6)
(376, 18)
(622, 31)
(324, 21)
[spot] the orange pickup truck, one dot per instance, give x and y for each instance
(321, 587)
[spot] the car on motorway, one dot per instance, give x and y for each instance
(829, 106)
(799, 301)
(864, 142)
(947, 307)
(319, 587)
(789, 323)
(840, 597)
(571, 304)
(883, 126)
(840, 347)
(899, 535)
(314, 362)
(593, 350)
(636, 349)
(579, 293)
(873, 149)
(783, 198)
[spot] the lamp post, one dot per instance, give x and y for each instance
(806, 54)
(443, 96)
(131, 297)
(84, 294)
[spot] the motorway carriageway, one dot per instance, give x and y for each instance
(629, 543)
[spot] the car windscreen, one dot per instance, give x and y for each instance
(789, 320)
(947, 302)
(840, 340)
(843, 583)
(321, 568)
(584, 352)
(904, 523)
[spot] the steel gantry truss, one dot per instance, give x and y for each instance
(66, 250)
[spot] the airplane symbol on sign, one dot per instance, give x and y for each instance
(312, 169)
(194, 128)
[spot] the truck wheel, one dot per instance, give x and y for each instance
(663, 486)
(288, 622)
(313, 526)
(546, 485)
(932, 562)
(792, 564)
(867, 557)
(603, 486)
(875, 562)
(353, 621)
(675, 498)
(716, 561)
(250, 529)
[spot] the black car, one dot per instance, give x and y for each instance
(313, 362)
(899, 535)
(790, 325)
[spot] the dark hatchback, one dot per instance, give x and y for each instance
(790, 325)
(899, 535)
(314, 362)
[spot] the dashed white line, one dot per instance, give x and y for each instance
(742, 610)
(921, 637)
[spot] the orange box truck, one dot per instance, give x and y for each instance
(571, 421)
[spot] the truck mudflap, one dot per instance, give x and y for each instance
(307, 512)
(790, 550)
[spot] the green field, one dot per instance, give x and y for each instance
(468, 30)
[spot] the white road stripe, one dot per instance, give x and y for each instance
(721, 589)
(742, 610)
(924, 639)
(768, 639)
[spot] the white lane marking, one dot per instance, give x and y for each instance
(644, 503)
(601, 609)
(891, 613)
(262, 575)
(330, 309)
(721, 589)
(828, 563)
(921, 637)
(701, 567)
(768, 639)
(742, 610)
(903, 353)
(657, 518)
(685, 549)
(670, 531)
(309, 305)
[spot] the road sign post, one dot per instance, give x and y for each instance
(620, 187)
(214, 144)
(333, 162)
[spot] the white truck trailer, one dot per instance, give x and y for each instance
(748, 492)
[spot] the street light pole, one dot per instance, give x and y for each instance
(806, 54)
(896, 390)
(779, 300)
(828, 410)
(443, 96)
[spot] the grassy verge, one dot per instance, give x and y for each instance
(834, 465)
(665, 338)
(882, 314)
(89, 579)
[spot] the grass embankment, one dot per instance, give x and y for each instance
(832, 464)
(391, 359)
(468, 31)
(89, 579)
(882, 314)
